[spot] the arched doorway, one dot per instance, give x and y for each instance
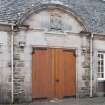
(56, 28)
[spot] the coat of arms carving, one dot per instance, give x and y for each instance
(56, 22)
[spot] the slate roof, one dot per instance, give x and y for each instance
(92, 11)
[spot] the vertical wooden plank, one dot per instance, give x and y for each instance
(51, 73)
(52, 60)
(42, 79)
(69, 74)
(59, 75)
(34, 71)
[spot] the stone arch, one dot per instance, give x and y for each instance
(40, 7)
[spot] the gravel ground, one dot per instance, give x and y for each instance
(70, 101)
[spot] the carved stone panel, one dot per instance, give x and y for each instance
(56, 22)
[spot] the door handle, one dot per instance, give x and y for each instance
(57, 80)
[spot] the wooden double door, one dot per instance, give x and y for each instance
(53, 73)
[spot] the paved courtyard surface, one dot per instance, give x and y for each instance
(70, 101)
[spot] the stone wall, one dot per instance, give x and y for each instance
(20, 69)
(5, 67)
(85, 53)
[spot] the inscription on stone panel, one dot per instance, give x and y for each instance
(56, 22)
